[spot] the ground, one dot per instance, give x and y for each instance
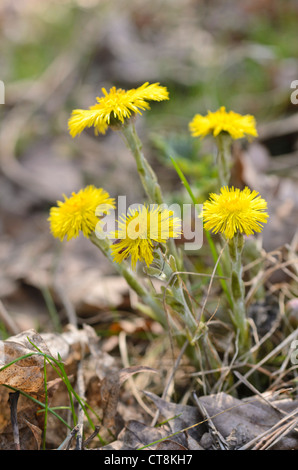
(68, 299)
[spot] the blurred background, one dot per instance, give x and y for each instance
(56, 55)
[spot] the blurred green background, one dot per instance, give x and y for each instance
(57, 55)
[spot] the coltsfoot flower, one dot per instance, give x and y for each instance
(140, 230)
(234, 210)
(77, 213)
(235, 124)
(114, 107)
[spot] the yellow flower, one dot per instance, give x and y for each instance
(235, 124)
(114, 107)
(234, 210)
(140, 230)
(77, 213)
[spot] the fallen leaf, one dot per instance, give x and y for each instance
(36, 431)
(136, 435)
(168, 444)
(245, 419)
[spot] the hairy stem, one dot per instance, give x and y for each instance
(155, 305)
(224, 158)
(238, 293)
(147, 175)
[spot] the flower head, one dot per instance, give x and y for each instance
(235, 124)
(115, 107)
(140, 229)
(77, 213)
(234, 210)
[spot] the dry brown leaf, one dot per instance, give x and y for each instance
(239, 421)
(36, 431)
(135, 435)
(27, 374)
(28, 422)
(24, 374)
(168, 444)
(110, 391)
